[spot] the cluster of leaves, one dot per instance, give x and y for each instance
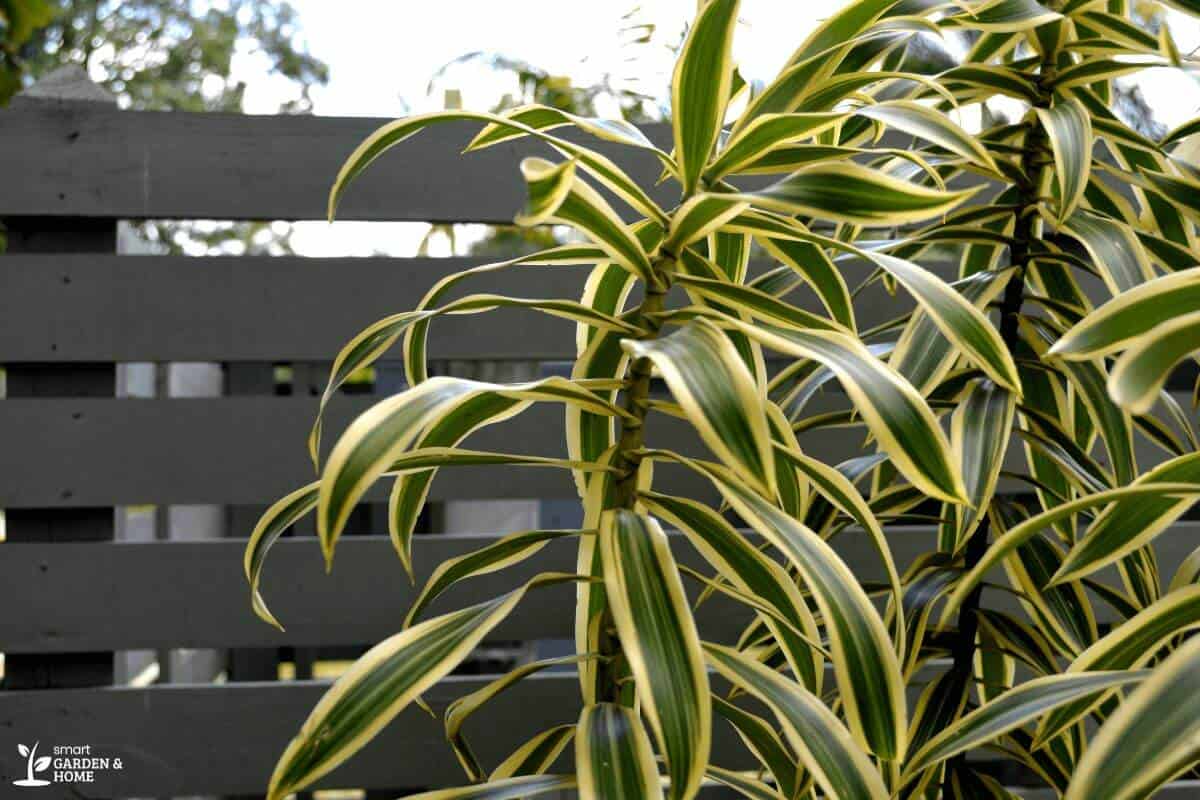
(1074, 294)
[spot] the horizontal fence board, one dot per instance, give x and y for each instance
(252, 308)
(193, 594)
(63, 159)
(248, 450)
(278, 308)
(64, 452)
(198, 740)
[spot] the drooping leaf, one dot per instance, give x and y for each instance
(1152, 736)
(505, 789)
(613, 757)
(379, 435)
(535, 756)
(918, 120)
(274, 521)
(1130, 315)
(1018, 534)
(1130, 645)
(1141, 372)
(659, 640)
(898, 417)
(739, 562)
(718, 394)
(979, 432)
(381, 683)
(1013, 709)
(864, 660)
(556, 194)
(700, 216)
(824, 745)
(848, 192)
(393, 133)
(1069, 128)
(1124, 527)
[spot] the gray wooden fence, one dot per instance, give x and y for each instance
(73, 453)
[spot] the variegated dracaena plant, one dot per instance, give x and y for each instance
(1053, 265)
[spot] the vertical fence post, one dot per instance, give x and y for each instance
(70, 89)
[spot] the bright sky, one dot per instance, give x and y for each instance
(382, 53)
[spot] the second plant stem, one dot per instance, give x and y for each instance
(628, 456)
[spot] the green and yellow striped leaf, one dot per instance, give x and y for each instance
(839, 766)
(659, 640)
(718, 394)
(980, 428)
(1097, 70)
(509, 550)
(923, 354)
(747, 785)
(1139, 375)
(1018, 534)
(841, 492)
(1115, 250)
(760, 738)
(274, 521)
(1153, 735)
(1124, 527)
(544, 118)
(765, 134)
(700, 88)
(556, 194)
(613, 757)
(815, 267)
(849, 192)
(535, 756)
(376, 339)
(381, 434)
(1130, 315)
(1069, 128)
(897, 416)
(864, 659)
(739, 562)
(956, 317)
(577, 253)
(506, 789)
(1013, 709)
(1130, 645)
(758, 303)
(700, 216)
(461, 709)
(910, 117)
(393, 133)
(385, 680)
(1010, 16)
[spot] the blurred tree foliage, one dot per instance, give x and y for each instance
(19, 21)
(173, 55)
(161, 54)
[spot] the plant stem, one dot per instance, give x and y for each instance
(628, 456)
(1035, 162)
